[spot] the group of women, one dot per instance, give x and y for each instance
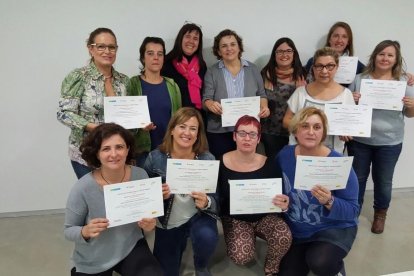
(316, 228)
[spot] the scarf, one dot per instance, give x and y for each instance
(285, 76)
(190, 72)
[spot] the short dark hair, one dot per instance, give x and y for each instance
(92, 143)
(142, 48)
(223, 33)
(269, 71)
(177, 50)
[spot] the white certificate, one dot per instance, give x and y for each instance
(382, 94)
(127, 111)
(186, 176)
(349, 120)
(129, 202)
(254, 196)
(347, 68)
(330, 172)
(234, 108)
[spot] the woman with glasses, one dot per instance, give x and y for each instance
(282, 75)
(163, 95)
(323, 222)
(324, 90)
(383, 148)
(82, 94)
(240, 231)
(185, 64)
(230, 77)
(185, 215)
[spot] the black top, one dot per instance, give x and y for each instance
(269, 170)
(169, 71)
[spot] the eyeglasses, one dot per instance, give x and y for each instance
(242, 134)
(103, 47)
(282, 52)
(320, 67)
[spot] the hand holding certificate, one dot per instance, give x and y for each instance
(329, 172)
(185, 176)
(127, 111)
(254, 196)
(349, 120)
(382, 94)
(234, 108)
(131, 201)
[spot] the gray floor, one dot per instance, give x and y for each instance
(34, 245)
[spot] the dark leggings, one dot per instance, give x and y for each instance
(139, 261)
(322, 258)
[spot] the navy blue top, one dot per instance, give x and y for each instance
(306, 216)
(159, 105)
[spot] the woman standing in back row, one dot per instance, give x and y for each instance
(230, 77)
(339, 38)
(163, 96)
(185, 64)
(81, 104)
(282, 75)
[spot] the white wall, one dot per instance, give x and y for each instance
(42, 41)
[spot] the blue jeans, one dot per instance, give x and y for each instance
(80, 170)
(383, 160)
(170, 243)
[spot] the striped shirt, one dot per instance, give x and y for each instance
(234, 84)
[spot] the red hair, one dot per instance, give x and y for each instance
(249, 120)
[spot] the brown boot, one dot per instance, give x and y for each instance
(379, 221)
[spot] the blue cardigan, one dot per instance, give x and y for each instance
(306, 216)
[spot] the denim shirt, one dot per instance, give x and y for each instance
(156, 165)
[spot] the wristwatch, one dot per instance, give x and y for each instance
(208, 203)
(329, 202)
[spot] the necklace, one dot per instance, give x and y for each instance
(107, 182)
(108, 77)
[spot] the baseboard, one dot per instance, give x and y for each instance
(32, 213)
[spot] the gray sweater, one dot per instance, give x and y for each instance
(86, 202)
(215, 89)
(387, 127)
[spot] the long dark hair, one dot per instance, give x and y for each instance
(177, 50)
(269, 71)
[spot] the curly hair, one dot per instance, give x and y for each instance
(92, 143)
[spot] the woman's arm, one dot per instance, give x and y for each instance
(345, 205)
(287, 118)
(71, 94)
(209, 90)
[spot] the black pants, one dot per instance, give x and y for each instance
(273, 144)
(220, 143)
(140, 262)
(322, 258)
